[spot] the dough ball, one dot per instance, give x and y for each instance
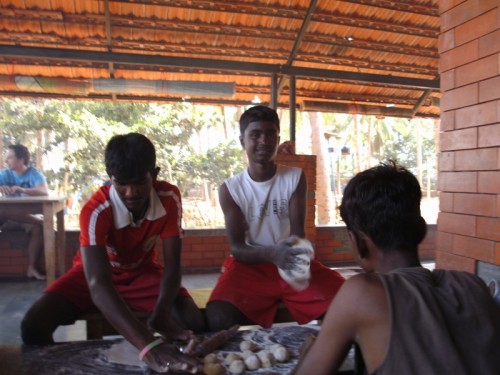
(248, 345)
(237, 367)
(231, 357)
(246, 353)
(298, 278)
(213, 369)
(275, 346)
(210, 358)
(267, 359)
(305, 244)
(281, 354)
(252, 362)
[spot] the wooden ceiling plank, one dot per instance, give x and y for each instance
(393, 55)
(413, 7)
(295, 13)
(374, 24)
(241, 30)
(231, 6)
(371, 45)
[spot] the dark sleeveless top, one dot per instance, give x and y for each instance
(442, 322)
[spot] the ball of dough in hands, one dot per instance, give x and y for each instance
(298, 278)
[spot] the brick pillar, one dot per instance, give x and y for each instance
(308, 165)
(469, 160)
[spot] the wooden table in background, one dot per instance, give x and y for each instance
(54, 246)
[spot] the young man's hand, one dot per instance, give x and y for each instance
(167, 327)
(285, 255)
(167, 358)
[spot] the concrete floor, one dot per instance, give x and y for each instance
(17, 295)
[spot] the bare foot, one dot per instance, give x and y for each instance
(33, 273)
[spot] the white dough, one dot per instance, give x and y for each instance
(231, 357)
(237, 367)
(246, 353)
(252, 362)
(299, 277)
(248, 345)
(275, 346)
(210, 358)
(213, 369)
(267, 359)
(281, 354)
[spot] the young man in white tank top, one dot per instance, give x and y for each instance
(264, 209)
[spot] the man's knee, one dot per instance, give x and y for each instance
(188, 315)
(44, 316)
(33, 331)
(222, 315)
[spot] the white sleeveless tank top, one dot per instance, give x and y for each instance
(265, 204)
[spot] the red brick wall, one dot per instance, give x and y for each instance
(204, 250)
(469, 161)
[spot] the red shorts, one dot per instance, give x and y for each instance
(257, 290)
(139, 287)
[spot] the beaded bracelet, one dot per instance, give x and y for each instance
(151, 345)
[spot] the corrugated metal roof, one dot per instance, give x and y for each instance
(361, 53)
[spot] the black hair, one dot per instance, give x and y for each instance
(383, 202)
(21, 152)
(129, 156)
(258, 113)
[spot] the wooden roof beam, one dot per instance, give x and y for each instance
(354, 108)
(65, 55)
(296, 45)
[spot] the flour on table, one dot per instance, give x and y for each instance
(124, 353)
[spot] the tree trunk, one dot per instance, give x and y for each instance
(39, 147)
(324, 196)
(357, 152)
(418, 136)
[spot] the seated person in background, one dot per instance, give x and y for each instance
(116, 271)
(264, 210)
(21, 179)
(405, 318)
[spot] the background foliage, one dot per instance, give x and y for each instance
(197, 146)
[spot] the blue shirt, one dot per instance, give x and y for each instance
(29, 179)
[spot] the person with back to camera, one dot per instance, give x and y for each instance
(405, 318)
(21, 179)
(115, 269)
(264, 210)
